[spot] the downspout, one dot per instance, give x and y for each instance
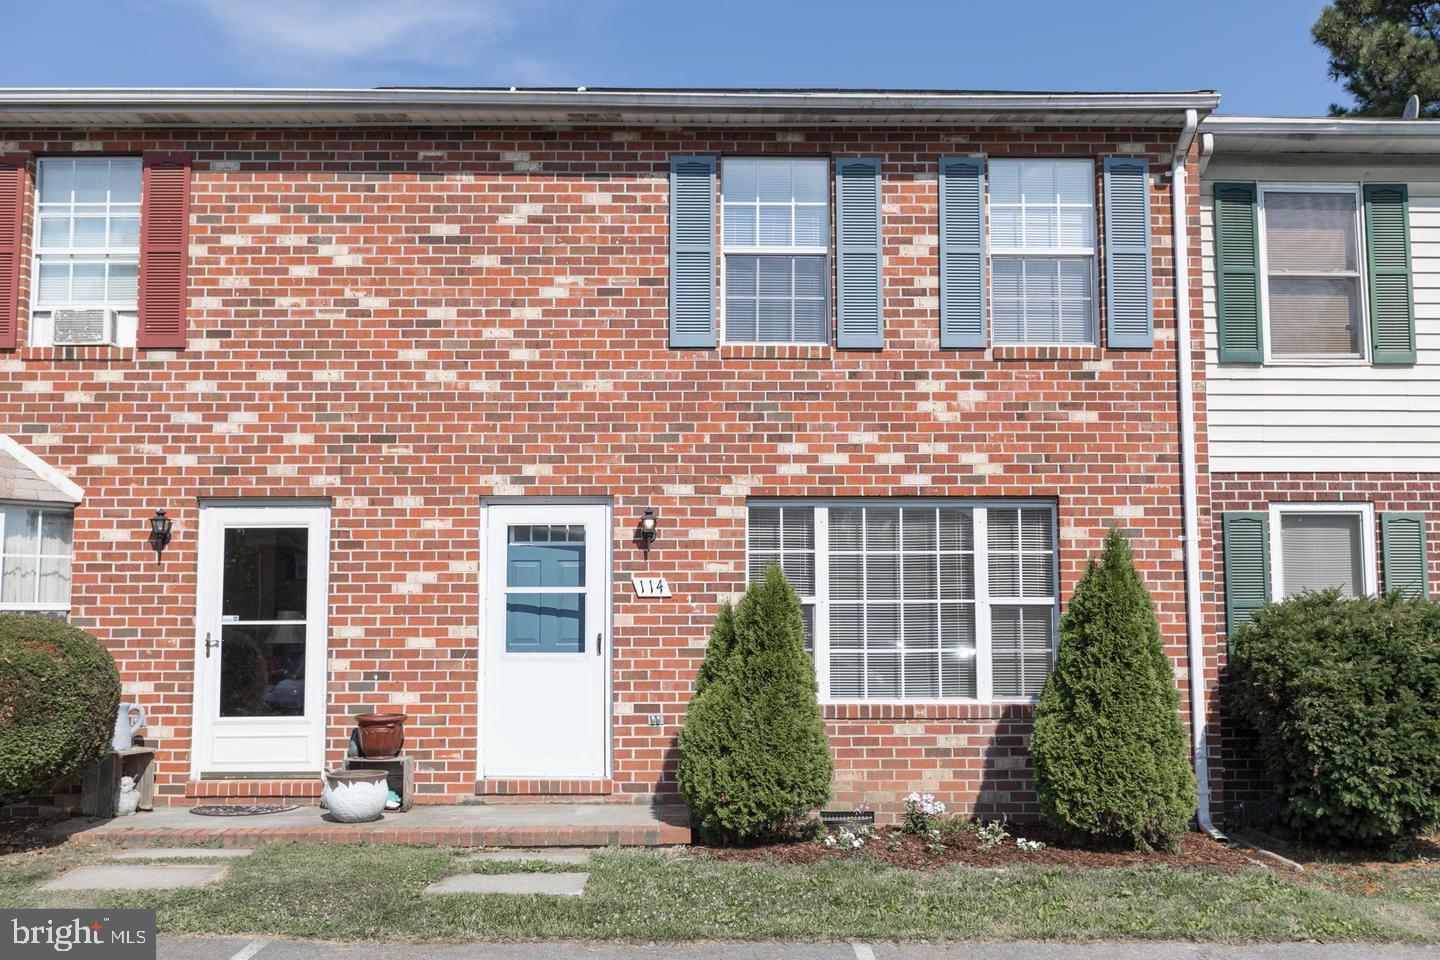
(1189, 488)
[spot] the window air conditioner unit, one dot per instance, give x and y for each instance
(81, 327)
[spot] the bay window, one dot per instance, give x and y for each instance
(918, 601)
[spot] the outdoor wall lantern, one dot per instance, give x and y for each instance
(645, 533)
(160, 533)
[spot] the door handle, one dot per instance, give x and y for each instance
(210, 644)
(599, 643)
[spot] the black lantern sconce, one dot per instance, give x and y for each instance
(160, 533)
(645, 531)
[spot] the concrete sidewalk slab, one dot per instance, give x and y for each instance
(136, 877)
(514, 884)
(182, 853)
(557, 855)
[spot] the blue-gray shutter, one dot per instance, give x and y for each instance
(1246, 540)
(1129, 303)
(1402, 541)
(1387, 248)
(860, 307)
(962, 252)
(692, 252)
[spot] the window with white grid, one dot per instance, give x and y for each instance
(918, 601)
(87, 239)
(34, 558)
(775, 227)
(1042, 251)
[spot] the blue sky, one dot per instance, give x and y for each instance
(1258, 53)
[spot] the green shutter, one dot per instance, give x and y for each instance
(1237, 273)
(1247, 565)
(692, 252)
(1402, 539)
(962, 252)
(1387, 253)
(858, 269)
(1129, 304)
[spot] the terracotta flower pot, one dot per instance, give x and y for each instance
(381, 734)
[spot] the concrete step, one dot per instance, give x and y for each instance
(466, 825)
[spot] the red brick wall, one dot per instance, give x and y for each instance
(1244, 780)
(408, 321)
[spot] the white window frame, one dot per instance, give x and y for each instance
(984, 679)
(1263, 264)
(822, 251)
(127, 313)
(1047, 253)
(1366, 512)
(44, 508)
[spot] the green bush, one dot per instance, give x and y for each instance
(59, 693)
(1111, 758)
(1344, 698)
(753, 752)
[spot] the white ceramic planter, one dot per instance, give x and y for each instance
(355, 796)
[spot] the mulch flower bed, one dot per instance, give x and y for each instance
(916, 853)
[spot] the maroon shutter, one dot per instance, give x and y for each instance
(12, 216)
(164, 249)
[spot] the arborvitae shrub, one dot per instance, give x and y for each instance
(1111, 759)
(753, 752)
(59, 693)
(1343, 696)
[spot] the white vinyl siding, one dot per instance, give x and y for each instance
(775, 230)
(914, 601)
(35, 548)
(1322, 546)
(87, 239)
(1042, 251)
(1336, 415)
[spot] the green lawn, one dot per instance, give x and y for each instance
(374, 893)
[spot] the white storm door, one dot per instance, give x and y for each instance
(261, 639)
(546, 640)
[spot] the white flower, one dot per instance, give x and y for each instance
(829, 840)
(939, 807)
(856, 843)
(913, 798)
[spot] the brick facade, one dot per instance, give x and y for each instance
(406, 321)
(1244, 782)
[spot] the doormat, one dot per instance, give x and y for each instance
(241, 809)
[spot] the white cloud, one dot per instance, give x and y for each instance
(432, 32)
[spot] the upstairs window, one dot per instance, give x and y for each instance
(87, 245)
(775, 225)
(34, 558)
(1314, 299)
(1042, 251)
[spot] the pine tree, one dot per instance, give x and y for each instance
(1111, 759)
(754, 756)
(1383, 51)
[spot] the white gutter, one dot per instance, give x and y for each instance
(1189, 491)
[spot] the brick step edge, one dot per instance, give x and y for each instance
(662, 836)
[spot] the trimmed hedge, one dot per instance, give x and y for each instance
(1111, 758)
(753, 753)
(59, 693)
(1343, 696)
